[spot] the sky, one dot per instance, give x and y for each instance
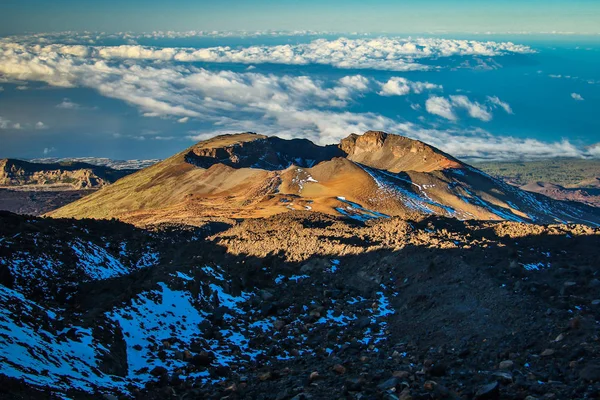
(395, 16)
(500, 80)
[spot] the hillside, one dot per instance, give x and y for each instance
(364, 177)
(298, 305)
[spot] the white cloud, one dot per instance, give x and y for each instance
(474, 109)
(48, 150)
(397, 86)
(594, 150)
(494, 100)
(393, 54)
(40, 125)
(440, 106)
(577, 96)
(183, 120)
(289, 106)
(68, 104)
(8, 124)
(448, 107)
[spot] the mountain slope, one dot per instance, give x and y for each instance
(298, 305)
(367, 176)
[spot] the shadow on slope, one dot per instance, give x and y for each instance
(438, 299)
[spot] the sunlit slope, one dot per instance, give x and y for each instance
(367, 176)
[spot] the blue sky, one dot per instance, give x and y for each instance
(397, 16)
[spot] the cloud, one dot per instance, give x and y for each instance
(474, 109)
(440, 106)
(447, 107)
(286, 105)
(577, 96)
(393, 54)
(68, 104)
(183, 120)
(594, 150)
(8, 124)
(497, 102)
(398, 86)
(40, 125)
(48, 150)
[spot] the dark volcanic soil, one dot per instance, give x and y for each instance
(38, 202)
(425, 309)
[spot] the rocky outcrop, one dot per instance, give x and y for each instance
(249, 150)
(395, 153)
(17, 173)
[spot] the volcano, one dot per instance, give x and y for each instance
(366, 176)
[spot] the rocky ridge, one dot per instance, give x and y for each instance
(71, 175)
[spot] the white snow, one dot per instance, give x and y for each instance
(36, 353)
(96, 262)
(151, 318)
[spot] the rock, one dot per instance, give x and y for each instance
(559, 337)
(401, 374)
(405, 395)
(202, 359)
(575, 323)
(302, 396)
(158, 371)
(391, 383)
(594, 283)
(339, 369)
(429, 386)
(231, 388)
(266, 295)
(504, 377)
(279, 324)
(314, 376)
(265, 376)
(591, 373)
(547, 352)
(506, 364)
(491, 391)
(438, 369)
(363, 322)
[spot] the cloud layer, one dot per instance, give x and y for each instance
(374, 53)
(160, 83)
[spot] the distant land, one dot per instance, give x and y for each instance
(36, 188)
(571, 179)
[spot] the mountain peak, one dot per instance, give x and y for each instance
(396, 153)
(250, 150)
